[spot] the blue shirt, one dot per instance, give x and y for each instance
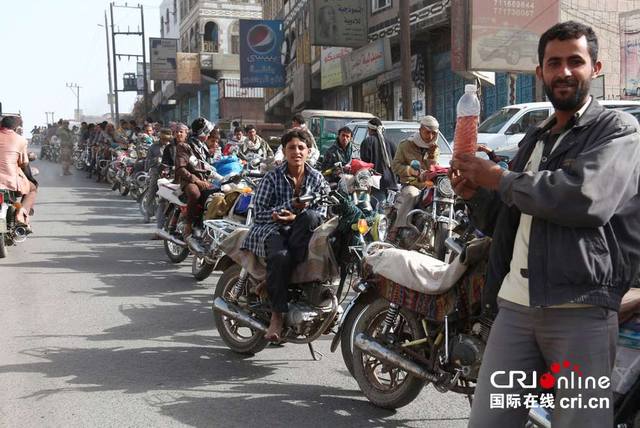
(274, 193)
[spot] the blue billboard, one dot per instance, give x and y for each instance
(260, 58)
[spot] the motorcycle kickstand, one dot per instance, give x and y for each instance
(316, 355)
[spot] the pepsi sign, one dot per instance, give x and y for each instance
(260, 56)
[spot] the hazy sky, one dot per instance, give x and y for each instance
(47, 43)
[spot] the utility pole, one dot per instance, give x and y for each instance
(405, 60)
(49, 113)
(77, 94)
(116, 55)
(110, 95)
(115, 66)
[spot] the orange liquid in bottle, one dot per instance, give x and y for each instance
(465, 139)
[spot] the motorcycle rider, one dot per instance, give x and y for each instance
(192, 172)
(66, 147)
(153, 163)
(341, 150)
(233, 144)
(423, 147)
(565, 245)
(254, 146)
(380, 152)
(180, 132)
(298, 123)
(282, 229)
(14, 161)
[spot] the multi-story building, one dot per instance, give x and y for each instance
(435, 87)
(163, 101)
(211, 29)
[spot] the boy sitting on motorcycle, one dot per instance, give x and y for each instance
(282, 228)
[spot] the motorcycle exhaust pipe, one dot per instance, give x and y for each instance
(233, 311)
(164, 235)
(369, 346)
(20, 234)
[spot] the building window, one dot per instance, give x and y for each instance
(378, 5)
(234, 37)
(210, 37)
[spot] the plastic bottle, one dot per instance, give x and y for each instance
(465, 139)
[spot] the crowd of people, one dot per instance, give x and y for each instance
(564, 219)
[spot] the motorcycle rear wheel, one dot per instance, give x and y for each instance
(200, 268)
(3, 247)
(230, 331)
(384, 385)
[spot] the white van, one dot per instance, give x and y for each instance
(503, 130)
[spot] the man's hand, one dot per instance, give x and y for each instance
(203, 185)
(477, 172)
(284, 216)
(300, 205)
(461, 186)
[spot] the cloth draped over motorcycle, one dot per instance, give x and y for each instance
(316, 267)
(427, 285)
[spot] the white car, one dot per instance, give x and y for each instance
(503, 130)
(397, 131)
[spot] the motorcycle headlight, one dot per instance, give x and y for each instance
(444, 187)
(380, 228)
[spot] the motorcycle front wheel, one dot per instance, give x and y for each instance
(200, 268)
(347, 333)
(383, 384)
(175, 252)
(238, 338)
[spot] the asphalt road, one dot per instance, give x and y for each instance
(98, 329)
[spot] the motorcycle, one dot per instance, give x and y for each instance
(431, 222)
(242, 313)
(11, 232)
(407, 337)
(236, 204)
(175, 213)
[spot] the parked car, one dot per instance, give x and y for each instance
(324, 124)
(397, 131)
(503, 130)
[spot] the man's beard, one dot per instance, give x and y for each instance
(571, 103)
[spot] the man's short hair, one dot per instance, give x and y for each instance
(298, 118)
(249, 128)
(286, 138)
(346, 130)
(11, 122)
(567, 31)
(237, 129)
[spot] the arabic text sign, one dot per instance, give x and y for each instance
(188, 68)
(367, 61)
(505, 33)
(331, 67)
(162, 53)
(260, 54)
(339, 23)
(630, 53)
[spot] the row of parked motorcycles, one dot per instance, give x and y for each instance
(394, 339)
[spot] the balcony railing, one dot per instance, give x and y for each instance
(210, 46)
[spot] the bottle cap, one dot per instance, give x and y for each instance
(470, 88)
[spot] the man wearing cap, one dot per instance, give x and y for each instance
(422, 147)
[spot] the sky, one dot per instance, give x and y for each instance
(46, 44)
